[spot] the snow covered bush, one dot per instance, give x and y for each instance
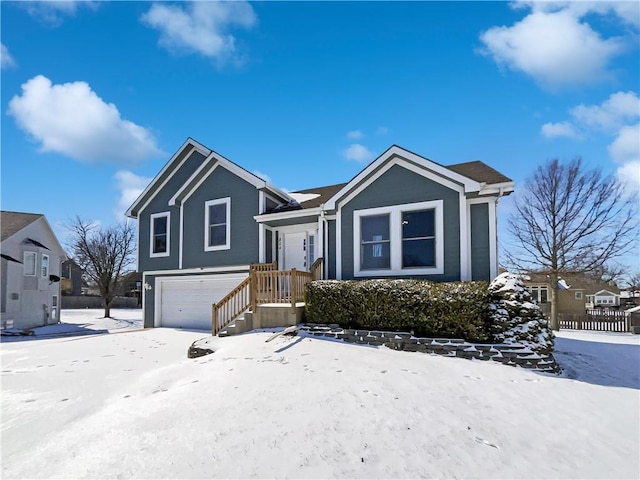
(516, 318)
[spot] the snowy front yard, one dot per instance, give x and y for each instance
(131, 405)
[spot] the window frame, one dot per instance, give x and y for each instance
(152, 234)
(35, 263)
(578, 295)
(227, 245)
(396, 241)
(43, 273)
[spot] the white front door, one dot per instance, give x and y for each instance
(295, 251)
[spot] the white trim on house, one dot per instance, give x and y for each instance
(227, 245)
(503, 188)
(395, 239)
(493, 239)
(197, 270)
(167, 252)
(271, 217)
(180, 239)
(465, 244)
(212, 161)
(420, 164)
(195, 146)
(339, 244)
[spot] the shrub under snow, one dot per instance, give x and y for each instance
(516, 318)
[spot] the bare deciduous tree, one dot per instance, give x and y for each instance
(570, 220)
(103, 253)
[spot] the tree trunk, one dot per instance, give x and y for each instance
(107, 308)
(555, 324)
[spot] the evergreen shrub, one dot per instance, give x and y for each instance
(428, 309)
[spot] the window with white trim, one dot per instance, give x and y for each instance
(312, 249)
(540, 294)
(29, 263)
(217, 224)
(399, 240)
(578, 295)
(160, 234)
(44, 267)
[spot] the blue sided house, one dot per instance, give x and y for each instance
(207, 226)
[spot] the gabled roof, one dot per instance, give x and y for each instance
(211, 160)
(470, 177)
(12, 222)
(165, 174)
(480, 172)
(323, 194)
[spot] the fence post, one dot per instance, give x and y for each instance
(294, 289)
(253, 291)
(214, 319)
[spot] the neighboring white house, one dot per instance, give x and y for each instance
(30, 273)
(603, 299)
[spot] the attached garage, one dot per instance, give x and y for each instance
(185, 302)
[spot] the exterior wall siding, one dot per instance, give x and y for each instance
(149, 301)
(330, 262)
(480, 261)
(399, 186)
(244, 229)
(159, 204)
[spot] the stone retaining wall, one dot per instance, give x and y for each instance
(515, 354)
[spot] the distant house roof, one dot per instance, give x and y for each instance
(12, 222)
(590, 285)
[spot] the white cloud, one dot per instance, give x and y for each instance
(263, 176)
(626, 11)
(560, 129)
(200, 27)
(6, 60)
(53, 12)
(355, 134)
(358, 153)
(130, 186)
(629, 176)
(555, 48)
(617, 110)
(626, 146)
(72, 120)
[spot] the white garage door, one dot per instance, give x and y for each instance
(186, 302)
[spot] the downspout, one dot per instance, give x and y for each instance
(325, 243)
(500, 194)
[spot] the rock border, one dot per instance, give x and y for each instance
(517, 355)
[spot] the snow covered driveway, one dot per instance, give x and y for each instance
(131, 405)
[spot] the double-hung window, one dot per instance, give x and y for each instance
(160, 234)
(29, 263)
(217, 224)
(399, 240)
(540, 294)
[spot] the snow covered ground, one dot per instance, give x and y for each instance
(131, 405)
(92, 321)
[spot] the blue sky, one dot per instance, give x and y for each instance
(96, 96)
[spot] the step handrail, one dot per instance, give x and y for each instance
(265, 284)
(231, 306)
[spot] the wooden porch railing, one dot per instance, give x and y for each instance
(264, 284)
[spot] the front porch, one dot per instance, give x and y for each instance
(266, 298)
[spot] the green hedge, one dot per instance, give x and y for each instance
(429, 309)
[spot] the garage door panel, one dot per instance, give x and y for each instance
(186, 302)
